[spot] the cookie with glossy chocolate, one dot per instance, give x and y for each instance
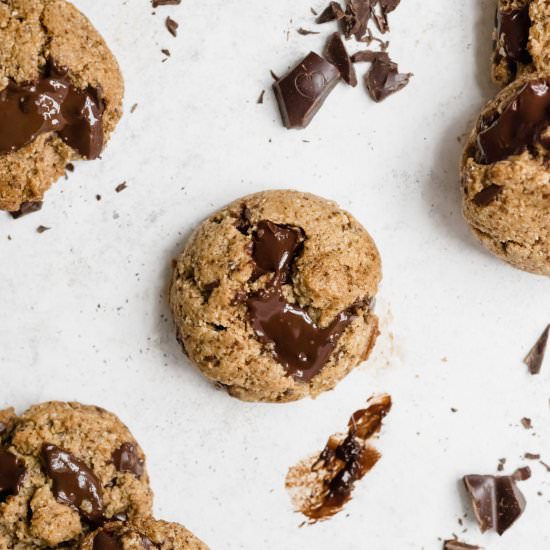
(521, 39)
(506, 176)
(60, 96)
(65, 470)
(143, 534)
(273, 296)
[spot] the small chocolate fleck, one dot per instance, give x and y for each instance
(333, 12)
(496, 500)
(42, 229)
(172, 26)
(531, 456)
(98, 197)
(487, 195)
(134, 107)
(126, 459)
(501, 463)
(26, 208)
(157, 3)
(535, 357)
(69, 167)
(260, 99)
(12, 474)
(337, 54)
(454, 544)
(105, 540)
(526, 423)
(305, 32)
(121, 187)
(166, 52)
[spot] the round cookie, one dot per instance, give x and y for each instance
(66, 468)
(41, 39)
(272, 297)
(506, 175)
(521, 39)
(143, 534)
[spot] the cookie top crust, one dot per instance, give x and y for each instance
(272, 296)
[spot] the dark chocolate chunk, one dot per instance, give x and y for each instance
(333, 12)
(26, 208)
(12, 473)
(51, 104)
(384, 79)
(337, 54)
(487, 195)
(496, 500)
(126, 459)
(105, 540)
(357, 17)
(454, 544)
(73, 482)
(302, 92)
(535, 357)
(518, 127)
(305, 32)
(157, 3)
(513, 33)
(298, 343)
(172, 26)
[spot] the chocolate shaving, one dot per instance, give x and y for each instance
(535, 357)
(333, 12)
(260, 99)
(157, 3)
(26, 208)
(526, 423)
(172, 26)
(305, 32)
(337, 54)
(454, 544)
(369, 56)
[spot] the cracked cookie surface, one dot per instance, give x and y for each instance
(33, 33)
(43, 503)
(333, 273)
(506, 193)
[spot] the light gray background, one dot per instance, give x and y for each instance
(83, 311)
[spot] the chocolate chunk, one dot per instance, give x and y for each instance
(518, 127)
(457, 545)
(513, 33)
(172, 26)
(302, 92)
(298, 343)
(357, 17)
(305, 32)
(535, 357)
(157, 3)
(487, 195)
(26, 208)
(12, 473)
(337, 54)
(496, 500)
(51, 104)
(107, 541)
(384, 79)
(369, 56)
(333, 12)
(73, 482)
(126, 459)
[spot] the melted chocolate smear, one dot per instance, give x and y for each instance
(74, 483)
(12, 473)
(513, 33)
(496, 500)
(349, 460)
(107, 541)
(518, 127)
(535, 357)
(126, 459)
(51, 104)
(299, 344)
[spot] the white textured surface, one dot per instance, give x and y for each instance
(83, 312)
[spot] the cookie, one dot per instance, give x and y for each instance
(61, 95)
(144, 534)
(506, 175)
(521, 39)
(273, 296)
(66, 468)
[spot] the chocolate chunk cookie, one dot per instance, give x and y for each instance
(60, 95)
(521, 39)
(143, 534)
(273, 296)
(65, 469)
(506, 175)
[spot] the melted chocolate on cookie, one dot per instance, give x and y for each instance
(299, 344)
(518, 127)
(12, 473)
(513, 33)
(126, 459)
(74, 483)
(51, 104)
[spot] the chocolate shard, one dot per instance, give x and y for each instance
(368, 56)
(487, 195)
(496, 500)
(333, 12)
(172, 26)
(384, 79)
(301, 92)
(337, 54)
(306, 32)
(454, 544)
(357, 17)
(26, 208)
(535, 357)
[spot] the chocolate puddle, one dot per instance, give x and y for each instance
(298, 343)
(322, 485)
(51, 104)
